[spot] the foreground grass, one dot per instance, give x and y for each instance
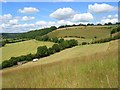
(22, 48)
(91, 66)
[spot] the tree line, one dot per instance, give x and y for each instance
(42, 51)
(33, 34)
(115, 30)
(10, 40)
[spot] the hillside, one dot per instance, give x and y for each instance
(82, 66)
(22, 48)
(82, 32)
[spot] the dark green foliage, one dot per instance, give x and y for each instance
(10, 40)
(10, 35)
(73, 42)
(2, 43)
(56, 47)
(42, 51)
(33, 34)
(55, 39)
(61, 40)
(115, 30)
(84, 43)
(90, 24)
(99, 24)
(6, 64)
(51, 51)
(45, 38)
(64, 45)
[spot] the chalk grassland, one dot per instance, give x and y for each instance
(90, 66)
(22, 48)
(83, 31)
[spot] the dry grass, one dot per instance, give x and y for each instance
(82, 31)
(93, 66)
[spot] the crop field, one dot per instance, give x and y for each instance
(89, 66)
(82, 31)
(22, 48)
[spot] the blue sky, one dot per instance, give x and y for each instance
(26, 16)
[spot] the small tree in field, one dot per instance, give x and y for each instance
(42, 51)
(56, 47)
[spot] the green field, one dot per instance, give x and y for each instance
(89, 66)
(22, 48)
(82, 31)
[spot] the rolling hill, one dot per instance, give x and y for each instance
(22, 48)
(90, 66)
(82, 32)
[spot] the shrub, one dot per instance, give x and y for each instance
(6, 64)
(64, 45)
(84, 43)
(42, 51)
(51, 51)
(56, 47)
(72, 42)
(61, 40)
(55, 40)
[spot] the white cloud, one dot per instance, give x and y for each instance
(5, 17)
(28, 10)
(64, 22)
(13, 21)
(110, 18)
(84, 17)
(101, 8)
(27, 18)
(62, 13)
(2, 0)
(41, 23)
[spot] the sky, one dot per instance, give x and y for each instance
(17, 17)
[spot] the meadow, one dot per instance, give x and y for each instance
(88, 32)
(89, 66)
(22, 48)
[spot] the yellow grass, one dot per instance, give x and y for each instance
(82, 31)
(90, 66)
(22, 48)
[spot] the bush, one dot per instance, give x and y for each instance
(55, 40)
(84, 43)
(51, 51)
(64, 45)
(6, 64)
(61, 40)
(56, 47)
(42, 51)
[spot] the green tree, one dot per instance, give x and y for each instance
(56, 47)
(42, 51)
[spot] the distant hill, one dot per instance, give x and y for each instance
(40, 32)
(82, 32)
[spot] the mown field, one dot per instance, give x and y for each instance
(22, 48)
(82, 31)
(89, 66)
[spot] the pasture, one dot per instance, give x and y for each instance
(89, 66)
(22, 48)
(88, 32)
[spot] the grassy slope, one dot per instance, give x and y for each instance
(22, 48)
(82, 31)
(81, 66)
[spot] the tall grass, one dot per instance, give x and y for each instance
(99, 70)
